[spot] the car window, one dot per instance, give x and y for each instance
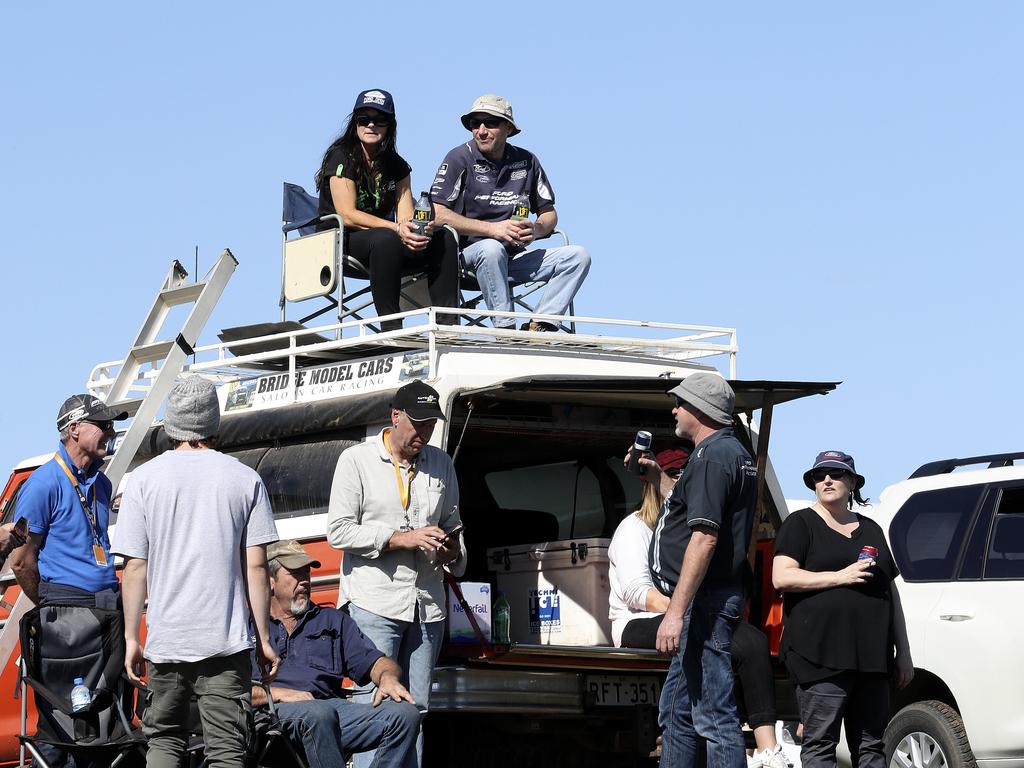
(1005, 558)
(553, 488)
(928, 531)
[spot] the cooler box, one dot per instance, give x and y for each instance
(557, 591)
(478, 595)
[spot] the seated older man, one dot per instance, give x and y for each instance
(319, 647)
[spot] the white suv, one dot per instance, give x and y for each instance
(958, 538)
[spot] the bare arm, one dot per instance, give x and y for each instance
(343, 192)
(133, 598)
(25, 562)
(904, 660)
(788, 576)
(656, 601)
(259, 695)
(258, 586)
(699, 551)
(386, 675)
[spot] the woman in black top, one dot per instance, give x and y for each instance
(363, 179)
(843, 618)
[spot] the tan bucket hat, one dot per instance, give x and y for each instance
(489, 104)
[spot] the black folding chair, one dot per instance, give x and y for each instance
(60, 643)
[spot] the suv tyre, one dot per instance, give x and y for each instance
(927, 734)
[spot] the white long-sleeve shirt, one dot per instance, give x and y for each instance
(629, 575)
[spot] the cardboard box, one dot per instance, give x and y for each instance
(557, 591)
(478, 595)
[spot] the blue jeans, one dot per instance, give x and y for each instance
(415, 647)
(329, 729)
(697, 698)
(563, 269)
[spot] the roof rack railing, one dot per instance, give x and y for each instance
(675, 341)
(945, 466)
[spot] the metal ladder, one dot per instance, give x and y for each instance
(170, 357)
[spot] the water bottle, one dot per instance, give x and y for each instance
(521, 210)
(80, 696)
(502, 620)
(423, 213)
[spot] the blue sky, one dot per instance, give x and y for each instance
(842, 183)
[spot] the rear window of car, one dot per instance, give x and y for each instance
(928, 532)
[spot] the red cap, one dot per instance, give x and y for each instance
(672, 458)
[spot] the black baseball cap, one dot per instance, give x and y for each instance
(419, 401)
(375, 98)
(86, 408)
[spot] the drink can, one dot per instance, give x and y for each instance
(643, 440)
(868, 553)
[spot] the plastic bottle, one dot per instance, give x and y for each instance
(423, 213)
(80, 696)
(502, 621)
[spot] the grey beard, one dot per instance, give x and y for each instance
(300, 605)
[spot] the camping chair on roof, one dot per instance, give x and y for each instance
(58, 644)
(313, 264)
(468, 282)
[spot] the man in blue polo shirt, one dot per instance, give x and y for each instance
(319, 647)
(66, 503)
(485, 189)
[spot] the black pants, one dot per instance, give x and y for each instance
(862, 701)
(751, 660)
(385, 256)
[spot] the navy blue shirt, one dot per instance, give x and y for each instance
(474, 186)
(325, 647)
(50, 504)
(717, 491)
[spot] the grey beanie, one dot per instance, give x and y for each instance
(193, 411)
(708, 393)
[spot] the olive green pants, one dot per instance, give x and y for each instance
(223, 687)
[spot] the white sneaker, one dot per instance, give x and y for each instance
(772, 758)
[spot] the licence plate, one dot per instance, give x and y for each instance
(624, 690)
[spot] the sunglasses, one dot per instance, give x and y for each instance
(381, 121)
(490, 122)
(103, 426)
(680, 403)
(819, 475)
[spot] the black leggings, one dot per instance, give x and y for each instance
(385, 256)
(751, 661)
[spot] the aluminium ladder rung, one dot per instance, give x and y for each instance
(183, 294)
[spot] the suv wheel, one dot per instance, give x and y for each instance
(927, 734)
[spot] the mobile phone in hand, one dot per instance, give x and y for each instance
(22, 527)
(454, 531)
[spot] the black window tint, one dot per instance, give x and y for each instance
(928, 531)
(1005, 558)
(553, 489)
(298, 477)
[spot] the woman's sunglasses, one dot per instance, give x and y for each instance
(819, 475)
(381, 121)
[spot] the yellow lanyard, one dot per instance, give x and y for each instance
(89, 513)
(404, 488)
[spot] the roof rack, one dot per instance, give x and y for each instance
(290, 346)
(946, 466)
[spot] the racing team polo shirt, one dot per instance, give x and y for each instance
(366, 508)
(478, 188)
(717, 490)
(325, 647)
(50, 504)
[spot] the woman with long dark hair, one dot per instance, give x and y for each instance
(363, 179)
(845, 635)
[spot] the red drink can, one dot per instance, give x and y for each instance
(868, 553)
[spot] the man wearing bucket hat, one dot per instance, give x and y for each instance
(319, 647)
(476, 191)
(697, 556)
(394, 510)
(185, 516)
(66, 503)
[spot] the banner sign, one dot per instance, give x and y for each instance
(323, 382)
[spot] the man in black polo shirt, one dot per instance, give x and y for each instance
(319, 647)
(478, 189)
(696, 557)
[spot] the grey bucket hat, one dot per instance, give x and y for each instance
(708, 393)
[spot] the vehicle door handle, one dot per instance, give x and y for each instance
(956, 616)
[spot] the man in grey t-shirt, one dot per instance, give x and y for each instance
(187, 521)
